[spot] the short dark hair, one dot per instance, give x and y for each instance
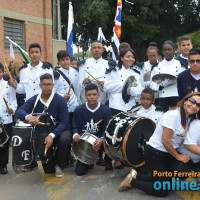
(72, 59)
(1, 67)
(124, 45)
(62, 54)
(96, 41)
(122, 53)
(152, 46)
(91, 86)
(148, 91)
(46, 76)
(35, 45)
(194, 52)
(183, 38)
(170, 43)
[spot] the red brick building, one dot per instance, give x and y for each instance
(25, 22)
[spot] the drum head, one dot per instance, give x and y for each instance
(83, 150)
(130, 82)
(102, 95)
(147, 76)
(158, 78)
(135, 140)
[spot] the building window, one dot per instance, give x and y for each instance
(14, 29)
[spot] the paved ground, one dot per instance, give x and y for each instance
(96, 185)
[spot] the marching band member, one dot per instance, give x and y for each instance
(74, 63)
(54, 105)
(114, 82)
(6, 114)
(189, 80)
(84, 119)
(30, 73)
(63, 77)
(115, 79)
(96, 65)
(161, 150)
(146, 108)
(168, 94)
(185, 45)
(152, 54)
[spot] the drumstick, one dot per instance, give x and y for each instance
(98, 122)
(93, 77)
(97, 78)
(45, 150)
(41, 123)
(8, 70)
(6, 103)
(70, 86)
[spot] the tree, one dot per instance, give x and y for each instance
(143, 22)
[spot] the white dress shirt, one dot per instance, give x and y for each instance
(113, 86)
(172, 67)
(30, 80)
(62, 87)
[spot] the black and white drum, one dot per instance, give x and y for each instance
(126, 136)
(102, 95)
(83, 150)
(22, 145)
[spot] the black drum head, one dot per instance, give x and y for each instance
(137, 138)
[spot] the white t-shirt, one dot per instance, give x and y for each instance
(171, 120)
(192, 138)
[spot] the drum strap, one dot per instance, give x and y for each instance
(63, 75)
(46, 104)
(189, 80)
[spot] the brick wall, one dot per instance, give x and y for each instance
(33, 32)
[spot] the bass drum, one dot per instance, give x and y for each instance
(102, 95)
(126, 136)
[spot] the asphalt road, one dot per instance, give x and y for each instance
(95, 185)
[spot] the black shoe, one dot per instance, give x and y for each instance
(108, 167)
(3, 170)
(100, 162)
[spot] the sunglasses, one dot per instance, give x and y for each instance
(193, 61)
(193, 101)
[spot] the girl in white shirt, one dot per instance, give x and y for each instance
(115, 80)
(161, 148)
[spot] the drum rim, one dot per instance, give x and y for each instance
(126, 138)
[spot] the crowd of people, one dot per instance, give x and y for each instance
(174, 106)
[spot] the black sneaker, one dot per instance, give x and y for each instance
(3, 170)
(108, 167)
(100, 162)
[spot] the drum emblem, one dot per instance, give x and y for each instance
(119, 125)
(16, 141)
(25, 154)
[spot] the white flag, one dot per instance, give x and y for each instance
(12, 54)
(101, 36)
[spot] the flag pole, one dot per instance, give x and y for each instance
(16, 45)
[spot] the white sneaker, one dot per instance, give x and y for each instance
(58, 172)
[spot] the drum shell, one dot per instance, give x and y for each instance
(83, 150)
(102, 95)
(129, 150)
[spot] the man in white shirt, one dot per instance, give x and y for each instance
(96, 65)
(30, 73)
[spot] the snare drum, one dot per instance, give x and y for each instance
(102, 95)
(126, 136)
(83, 150)
(22, 145)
